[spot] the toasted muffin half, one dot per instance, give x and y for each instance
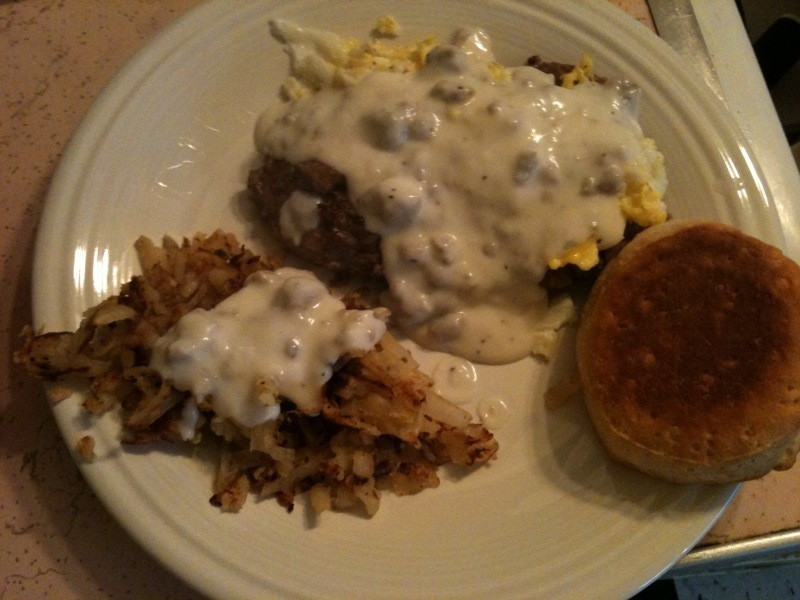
(689, 354)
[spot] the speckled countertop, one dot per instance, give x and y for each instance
(56, 539)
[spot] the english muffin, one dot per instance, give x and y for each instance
(689, 354)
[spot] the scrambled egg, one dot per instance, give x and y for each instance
(321, 59)
(387, 26)
(584, 255)
(641, 202)
(641, 199)
(583, 71)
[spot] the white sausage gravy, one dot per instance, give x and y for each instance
(477, 178)
(278, 337)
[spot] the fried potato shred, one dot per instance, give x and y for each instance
(381, 428)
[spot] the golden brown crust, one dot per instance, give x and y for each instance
(382, 427)
(689, 353)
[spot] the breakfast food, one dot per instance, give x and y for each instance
(689, 354)
(305, 393)
(458, 198)
(456, 181)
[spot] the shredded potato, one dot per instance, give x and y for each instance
(381, 428)
(85, 447)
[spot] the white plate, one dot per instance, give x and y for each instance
(166, 149)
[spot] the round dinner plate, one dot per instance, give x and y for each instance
(166, 150)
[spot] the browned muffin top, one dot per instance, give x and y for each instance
(693, 344)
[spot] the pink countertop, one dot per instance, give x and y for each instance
(57, 540)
